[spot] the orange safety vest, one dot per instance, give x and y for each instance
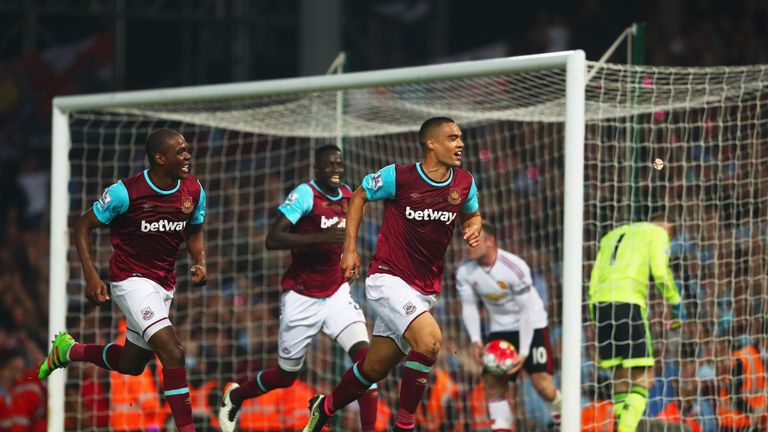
(134, 402)
(478, 408)
(383, 417)
(597, 417)
(672, 414)
(280, 409)
(754, 389)
(200, 400)
(431, 415)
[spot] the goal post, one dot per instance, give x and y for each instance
(59, 243)
(388, 104)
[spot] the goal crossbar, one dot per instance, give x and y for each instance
(415, 74)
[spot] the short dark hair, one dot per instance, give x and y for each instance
(429, 124)
(489, 229)
(156, 141)
(326, 148)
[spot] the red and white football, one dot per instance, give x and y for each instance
(498, 356)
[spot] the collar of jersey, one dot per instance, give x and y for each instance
(314, 185)
(430, 181)
(157, 189)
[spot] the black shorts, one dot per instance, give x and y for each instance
(540, 356)
(623, 337)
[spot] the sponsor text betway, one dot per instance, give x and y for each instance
(329, 222)
(430, 215)
(162, 225)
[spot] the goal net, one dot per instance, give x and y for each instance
(708, 127)
(252, 143)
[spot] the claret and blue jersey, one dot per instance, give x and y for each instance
(315, 270)
(419, 219)
(147, 225)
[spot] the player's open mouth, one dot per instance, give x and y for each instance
(335, 179)
(457, 155)
(185, 168)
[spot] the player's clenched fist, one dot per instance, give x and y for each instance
(350, 265)
(472, 235)
(199, 274)
(96, 292)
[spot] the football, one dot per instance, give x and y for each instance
(498, 356)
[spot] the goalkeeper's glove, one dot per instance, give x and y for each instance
(678, 316)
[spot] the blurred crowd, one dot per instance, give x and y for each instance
(25, 191)
(679, 32)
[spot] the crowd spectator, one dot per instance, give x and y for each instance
(715, 186)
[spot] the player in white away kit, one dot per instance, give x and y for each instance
(503, 282)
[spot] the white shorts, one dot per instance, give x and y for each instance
(145, 305)
(395, 304)
(302, 317)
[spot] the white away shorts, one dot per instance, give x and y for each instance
(395, 304)
(302, 317)
(145, 305)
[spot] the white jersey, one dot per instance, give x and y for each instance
(507, 292)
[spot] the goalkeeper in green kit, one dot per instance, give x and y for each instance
(618, 291)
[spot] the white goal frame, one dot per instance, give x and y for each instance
(573, 62)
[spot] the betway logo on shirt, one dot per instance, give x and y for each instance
(162, 225)
(329, 222)
(430, 215)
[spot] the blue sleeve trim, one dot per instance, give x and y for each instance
(381, 184)
(471, 205)
(360, 376)
(104, 355)
(114, 201)
(258, 381)
(176, 392)
(198, 215)
(298, 203)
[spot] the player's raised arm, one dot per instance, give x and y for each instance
(350, 261)
(95, 289)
